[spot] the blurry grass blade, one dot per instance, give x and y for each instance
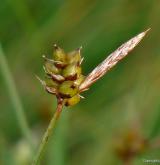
(111, 61)
(14, 97)
(6, 156)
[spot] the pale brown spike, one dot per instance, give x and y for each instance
(41, 81)
(48, 89)
(44, 69)
(111, 61)
(56, 47)
(82, 97)
(81, 60)
(51, 90)
(80, 48)
(47, 59)
(57, 77)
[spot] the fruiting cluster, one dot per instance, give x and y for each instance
(64, 75)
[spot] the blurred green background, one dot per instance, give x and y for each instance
(127, 98)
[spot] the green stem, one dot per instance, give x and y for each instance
(48, 131)
(19, 111)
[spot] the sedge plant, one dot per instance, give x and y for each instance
(65, 80)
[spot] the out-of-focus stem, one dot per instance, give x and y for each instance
(48, 132)
(19, 111)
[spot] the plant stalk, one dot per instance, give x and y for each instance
(49, 131)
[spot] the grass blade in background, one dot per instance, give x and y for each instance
(5, 153)
(14, 97)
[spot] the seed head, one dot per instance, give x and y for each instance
(64, 76)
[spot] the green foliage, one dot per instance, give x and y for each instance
(128, 95)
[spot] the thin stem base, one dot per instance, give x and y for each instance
(48, 132)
